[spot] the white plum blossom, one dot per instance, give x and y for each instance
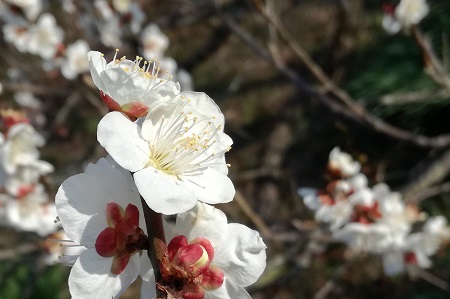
(45, 37)
(406, 14)
(76, 61)
(95, 207)
(110, 32)
(31, 211)
(17, 35)
(128, 86)
(212, 258)
(154, 42)
(185, 80)
(363, 237)
(342, 163)
(177, 152)
(31, 8)
(20, 147)
(336, 213)
(411, 12)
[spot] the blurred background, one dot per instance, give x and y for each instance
(270, 66)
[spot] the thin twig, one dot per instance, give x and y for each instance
(429, 192)
(433, 67)
(428, 277)
(409, 97)
(301, 53)
(363, 117)
(329, 286)
(433, 174)
(252, 215)
(18, 251)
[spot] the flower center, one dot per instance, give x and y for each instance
(366, 214)
(122, 238)
(181, 144)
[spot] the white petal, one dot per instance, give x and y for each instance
(211, 186)
(97, 64)
(148, 287)
(164, 193)
(241, 255)
(393, 263)
(228, 290)
(81, 200)
(205, 105)
(120, 137)
(91, 276)
(203, 221)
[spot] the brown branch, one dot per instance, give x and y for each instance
(19, 250)
(155, 230)
(434, 173)
(429, 192)
(252, 215)
(361, 116)
(433, 67)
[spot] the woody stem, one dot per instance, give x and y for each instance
(155, 230)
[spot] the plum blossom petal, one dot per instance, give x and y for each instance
(114, 131)
(203, 221)
(229, 289)
(241, 255)
(163, 193)
(88, 279)
(206, 184)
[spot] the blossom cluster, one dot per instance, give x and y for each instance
(374, 219)
(166, 151)
(24, 203)
(31, 29)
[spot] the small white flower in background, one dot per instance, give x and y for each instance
(390, 23)
(101, 210)
(185, 80)
(68, 6)
(17, 35)
(45, 37)
(411, 12)
(20, 147)
(406, 14)
(111, 32)
(28, 100)
(154, 42)
(363, 237)
(328, 210)
(31, 211)
(31, 8)
(177, 153)
(342, 164)
(122, 6)
(129, 86)
(76, 61)
(137, 17)
(32, 107)
(208, 257)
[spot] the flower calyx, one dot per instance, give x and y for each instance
(122, 238)
(186, 267)
(133, 110)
